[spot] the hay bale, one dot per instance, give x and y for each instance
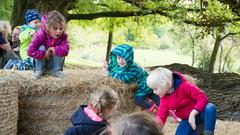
(8, 108)
(46, 105)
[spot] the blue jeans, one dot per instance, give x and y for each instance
(207, 118)
(143, 103)
(54, 63)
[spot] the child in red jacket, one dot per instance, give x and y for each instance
(185, 98)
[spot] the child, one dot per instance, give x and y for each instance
(6, 53)
(15, 40)
(32, 18)
(188, 101)
(136, 124)
(123, 67)
(50, 45)
(90, 119)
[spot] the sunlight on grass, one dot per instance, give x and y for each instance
(95, 56)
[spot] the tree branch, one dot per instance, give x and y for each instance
(229, 34)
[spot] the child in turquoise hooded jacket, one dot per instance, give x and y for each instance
(122, 67)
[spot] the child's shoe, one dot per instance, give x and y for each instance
(37, 75)
(59, 74)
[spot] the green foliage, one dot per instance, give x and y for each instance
(129, 36)
(6, 9)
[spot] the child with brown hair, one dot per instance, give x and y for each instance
(15, 40)
(50, 45)
(138, 123)
(91, 119)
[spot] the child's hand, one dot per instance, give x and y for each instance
(192, 118)
(31, 33)
(47, 54)
(6, 47)
(105, 66)
(51, 49)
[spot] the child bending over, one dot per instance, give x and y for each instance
(185, 98)
(50, 45)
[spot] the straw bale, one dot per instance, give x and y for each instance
(8, 108)
(46, 105)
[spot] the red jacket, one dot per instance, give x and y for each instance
(186, 97)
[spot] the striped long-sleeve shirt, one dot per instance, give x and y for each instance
(131, 73)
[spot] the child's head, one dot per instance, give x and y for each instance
(5, 28)
(55, 24)
(103, 101)
(33, 18)
(122, 55)
(138, 123)
(160, 80)
(16, 32)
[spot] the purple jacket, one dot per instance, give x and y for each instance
(61, 46)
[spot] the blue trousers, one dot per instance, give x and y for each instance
(54, 63)
(207, 118)
(147, 104)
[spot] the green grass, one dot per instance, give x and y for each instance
(145, 57)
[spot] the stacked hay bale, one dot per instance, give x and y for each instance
(8, 108)
(46, 105)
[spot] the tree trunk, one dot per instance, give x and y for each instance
(225, 59)
(214, 53)
(220, 59)
(193, 47)
(18, 12)
(109, 46)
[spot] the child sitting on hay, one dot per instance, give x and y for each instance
(50, 45)
(188, 101)
(6, 52)
(91, 119)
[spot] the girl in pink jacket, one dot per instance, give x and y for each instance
(185, 98)
(50, 45)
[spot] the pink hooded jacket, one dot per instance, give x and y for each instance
(186, 97)
(42, 37)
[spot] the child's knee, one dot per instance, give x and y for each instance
(210, 107)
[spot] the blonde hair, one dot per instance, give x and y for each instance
(138, 123)
(103, 99)
(54, 17)
(159, 76)
(5, 27)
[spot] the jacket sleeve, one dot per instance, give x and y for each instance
(162, 113)
(197, 94)
(24, 35)
(126, 75)
(62, 49)
(37, 41)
